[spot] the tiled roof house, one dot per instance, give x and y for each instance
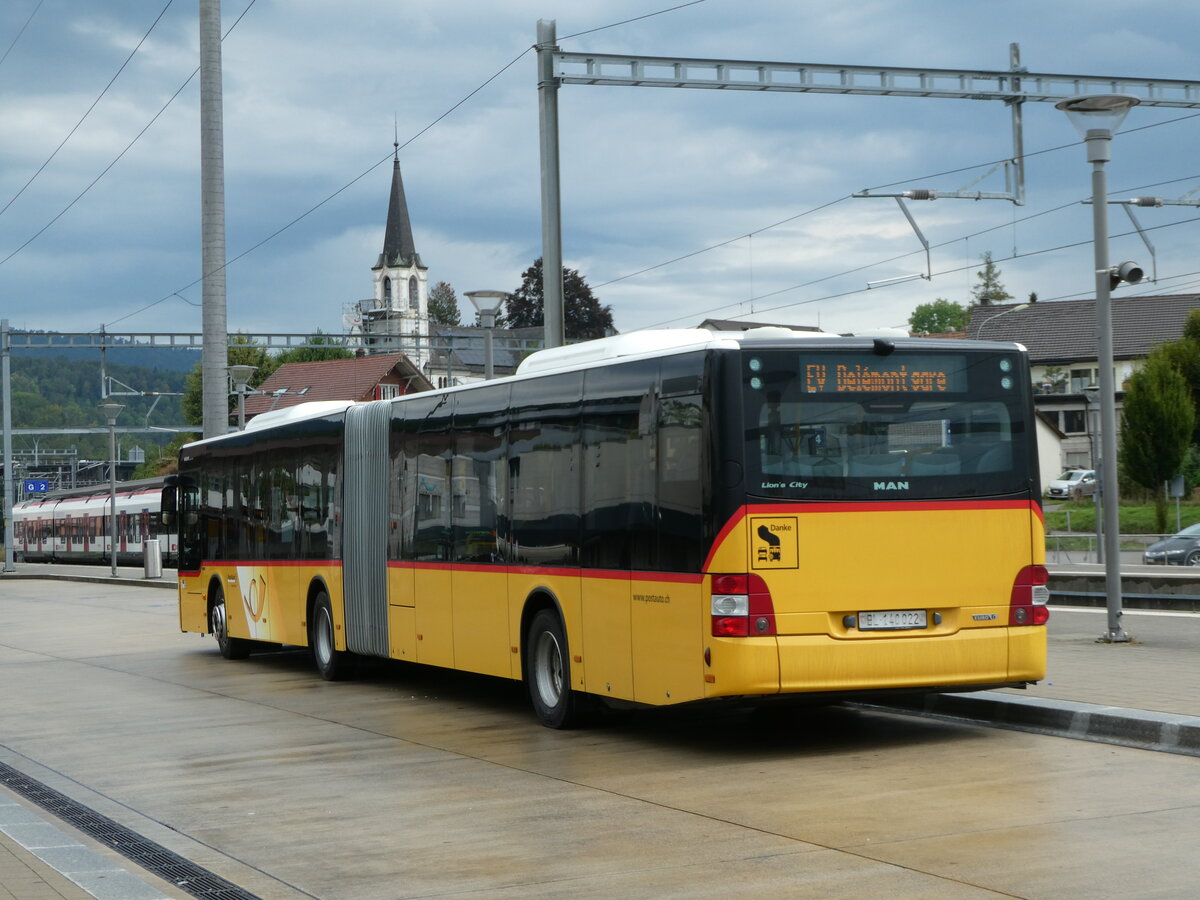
(359, 379)
(1062, 342)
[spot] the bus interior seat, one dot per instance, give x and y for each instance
(938, 462)
(997, 459)
(817, 466)
(877, 464)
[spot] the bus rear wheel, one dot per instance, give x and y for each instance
(548, 673)
(218, 624)
(333, 664)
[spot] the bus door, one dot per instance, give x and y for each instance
(428, 443)
(477, 492)
(667, 605)
(544, 475)
(619, 438)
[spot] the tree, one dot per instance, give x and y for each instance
(443, 305)
(583, 316)
(1156, 428)
(1185, 357)
(242, 352)
(989, 290)
(164, 461)
(938, 317)
(326, 349)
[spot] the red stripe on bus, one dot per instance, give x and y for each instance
(268, 563)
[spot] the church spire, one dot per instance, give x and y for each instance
(398, 246)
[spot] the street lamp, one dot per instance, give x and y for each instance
(111, 411)
(487, 304)
(1096, 117)
(989, 319)
(241, 375)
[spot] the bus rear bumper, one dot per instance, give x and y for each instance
(821, 664)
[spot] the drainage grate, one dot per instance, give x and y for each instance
(154, 858)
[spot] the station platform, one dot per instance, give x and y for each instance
(1144, 694)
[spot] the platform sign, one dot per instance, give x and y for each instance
(36, 486)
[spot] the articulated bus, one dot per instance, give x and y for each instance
(657, 518)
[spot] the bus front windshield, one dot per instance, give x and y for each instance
(852, 425)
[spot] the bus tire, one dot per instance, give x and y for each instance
(331, 663)
(218, 624)
(548, 673)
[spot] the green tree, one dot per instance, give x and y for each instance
(1156, 428)
(583, 316)
(326, 348)
(1185, 356)
(242, 352)
(989, 290)
(443, 305)
(938, 317)
(164, 461)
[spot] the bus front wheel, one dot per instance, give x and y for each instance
(333, 664)
(218, 624)
(548, 673)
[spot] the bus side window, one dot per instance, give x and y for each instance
(544, 484)
(683, 491)
(618, 483)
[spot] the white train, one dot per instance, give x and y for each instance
(73, 525)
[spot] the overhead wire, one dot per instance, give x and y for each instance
(626, 276)
(945, 243)
(950, 271)
(21, 31)
(88, 111)
(119, 156)
(376, 165)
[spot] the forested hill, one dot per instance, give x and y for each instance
(65, 393)
(172, 359)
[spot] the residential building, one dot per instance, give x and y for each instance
(459, 352)
(1062, 342)
(366, 377)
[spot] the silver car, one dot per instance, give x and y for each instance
(1181, 549)
(1072, 484)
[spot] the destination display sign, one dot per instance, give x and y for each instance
(920, 374)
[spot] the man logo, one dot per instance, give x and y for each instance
(891, 485)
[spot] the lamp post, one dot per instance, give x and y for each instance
(487, 304)
(1096, 117)
(111, 411)
(241, 375)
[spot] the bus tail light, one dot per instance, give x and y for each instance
(1029, 597)
(741, 606)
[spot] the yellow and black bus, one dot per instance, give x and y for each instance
(660, 517)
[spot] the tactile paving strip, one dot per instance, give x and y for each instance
(154, 858)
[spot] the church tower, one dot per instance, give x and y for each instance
(401, 302)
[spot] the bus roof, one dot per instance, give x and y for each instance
(299, 413)
(652, 342)
(648, 343)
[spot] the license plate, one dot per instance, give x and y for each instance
(892, 620)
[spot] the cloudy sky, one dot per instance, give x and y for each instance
(677, 204)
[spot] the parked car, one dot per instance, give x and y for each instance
(1072, 484)
(1181, 549)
